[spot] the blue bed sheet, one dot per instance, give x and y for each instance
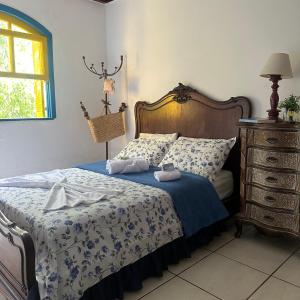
(194, 197)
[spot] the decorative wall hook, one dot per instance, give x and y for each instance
(123, 107)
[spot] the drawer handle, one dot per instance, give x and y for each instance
(272, 140)
(271, 179)
(270, 198)
(272, 159)
(269, 218)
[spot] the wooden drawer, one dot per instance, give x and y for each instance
(288, 181)
(282, 160)
(273, 199)
(272, 138)
(274, 219)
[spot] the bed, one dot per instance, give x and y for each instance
(183, 110)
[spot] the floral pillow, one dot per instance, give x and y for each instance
(227, 142)
(204, 157)
(169, 137)
(151, 150)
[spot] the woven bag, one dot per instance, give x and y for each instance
(107, 127)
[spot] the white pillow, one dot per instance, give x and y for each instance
(204, 157)
(149, 149)
(169, 137)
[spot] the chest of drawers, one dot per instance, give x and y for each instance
(270, 177)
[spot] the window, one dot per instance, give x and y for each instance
(26, 68)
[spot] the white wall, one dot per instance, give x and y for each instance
(78, 28)
(217, 46)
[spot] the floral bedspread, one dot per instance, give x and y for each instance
(78, 247)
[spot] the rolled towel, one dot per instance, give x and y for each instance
(167, 175)
(131, 165)
(116, 165)
(137, 166)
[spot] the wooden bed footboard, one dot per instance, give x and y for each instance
(17, 260)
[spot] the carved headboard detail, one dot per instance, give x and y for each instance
(192, 114)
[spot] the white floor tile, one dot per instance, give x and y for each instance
(261, 252)
(148, 285)
(227, 235)
(186, 263)
(178, 289)
(290, 271)
(227, 279)
(275, 289)
(221, 240)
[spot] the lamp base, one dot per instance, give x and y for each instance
(273, 114)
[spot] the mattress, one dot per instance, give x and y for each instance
(224, 184)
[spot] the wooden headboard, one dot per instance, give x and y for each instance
(192, 114)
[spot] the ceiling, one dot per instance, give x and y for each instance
(103, 1)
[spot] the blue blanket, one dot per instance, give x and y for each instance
(195, 200)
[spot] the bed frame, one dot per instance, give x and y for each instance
(183, 110)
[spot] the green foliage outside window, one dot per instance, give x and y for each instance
(17, 98)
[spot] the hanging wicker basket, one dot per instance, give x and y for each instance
(106, 127)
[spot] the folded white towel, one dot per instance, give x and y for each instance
(167, 175)
(64, 195)
(44, 180)
(131, 165)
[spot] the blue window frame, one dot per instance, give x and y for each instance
(26, 68)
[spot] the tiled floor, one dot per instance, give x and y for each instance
(254, 267)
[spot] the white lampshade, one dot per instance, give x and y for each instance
(278, 64)
(109, 86)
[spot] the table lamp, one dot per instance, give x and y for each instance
(277, 67)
